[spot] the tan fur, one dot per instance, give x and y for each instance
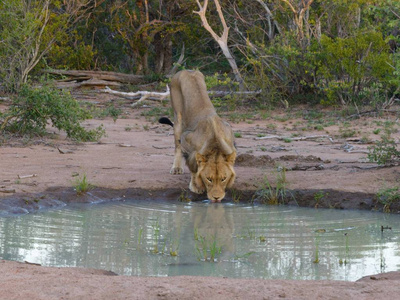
(201, 136)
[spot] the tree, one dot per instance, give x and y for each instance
(22, 46)
(221, 40)
(29, 30)
(145, 25)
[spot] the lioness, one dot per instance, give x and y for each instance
(201, 137)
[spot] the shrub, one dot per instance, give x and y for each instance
(384, 151)
(388, 197)
(82, 185)
(348, 66)
(32, 109)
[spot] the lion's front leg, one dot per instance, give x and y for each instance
(177, 166)
(193, 187)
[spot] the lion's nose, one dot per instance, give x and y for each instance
(218, 199)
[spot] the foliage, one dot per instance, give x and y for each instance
(22, 32)
(33, 108)
(388, 197)
(333, 52)
(82, 185)
(277, 195)
(72, 52)
(384, 152)
(348, 66)
(112, 111)
(215, 80)
(342, 52)
(207, 248)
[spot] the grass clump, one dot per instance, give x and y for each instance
(112, 111)
(82, 185)
(32, 109)
(316, 257)
(207, 248)
(387, 197)
(318, 197)
(277, 195)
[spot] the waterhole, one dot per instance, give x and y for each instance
(159, 238)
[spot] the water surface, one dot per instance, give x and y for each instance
(158, 238)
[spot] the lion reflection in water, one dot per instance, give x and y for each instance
(215, 223)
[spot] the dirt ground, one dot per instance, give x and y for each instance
(325, 158)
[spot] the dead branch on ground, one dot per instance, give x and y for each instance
(142, 95)
(82, 75)
(311, 137)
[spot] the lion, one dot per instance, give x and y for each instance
(202, 138)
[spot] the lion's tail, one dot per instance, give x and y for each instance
(165, 120)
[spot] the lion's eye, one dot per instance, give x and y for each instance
(209, 179)
(223, 179)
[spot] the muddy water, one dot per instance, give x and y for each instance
(156, 238)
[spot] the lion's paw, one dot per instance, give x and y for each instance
(194, 189)
(176, 170)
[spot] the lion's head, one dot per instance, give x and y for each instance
(214, 174)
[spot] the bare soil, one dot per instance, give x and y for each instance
(325, 158)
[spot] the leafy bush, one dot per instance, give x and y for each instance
(282, 69)
(355, 69)
(388, 197)
(28, 30)
(77, 56)
(384, 151)
(348, 66)
(33, 108)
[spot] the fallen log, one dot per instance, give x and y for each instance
(100, 75)
(142, 94)
(162, 95)
(93, 82)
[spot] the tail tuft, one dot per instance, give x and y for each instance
(165, 120)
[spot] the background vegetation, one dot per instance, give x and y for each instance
(334, 52)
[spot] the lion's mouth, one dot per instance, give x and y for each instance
(216, 199)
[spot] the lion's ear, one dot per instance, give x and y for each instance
(230, 158)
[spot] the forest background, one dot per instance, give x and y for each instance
(330, 52)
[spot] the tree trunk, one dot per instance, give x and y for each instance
(221, 40)
(163, 48)
(167, 55)
(232, 63)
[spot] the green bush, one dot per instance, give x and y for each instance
(283, 70)
(33, 108)
(387, 197)
(349, 66)
(384, 152)
(356, 69)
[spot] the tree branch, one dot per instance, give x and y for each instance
(221, 40)
(142, 94)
